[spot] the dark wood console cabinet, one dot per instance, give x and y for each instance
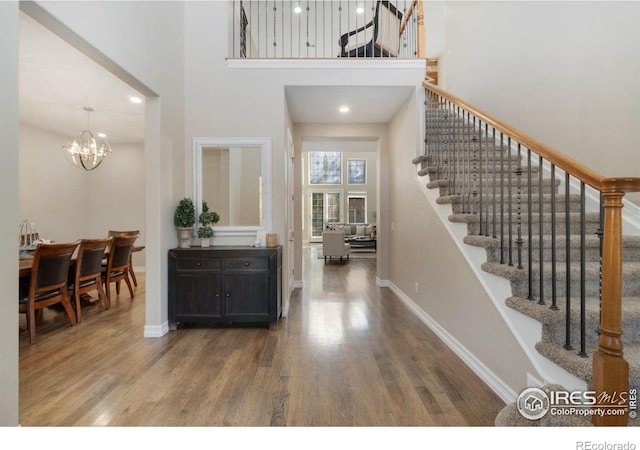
(225, 284)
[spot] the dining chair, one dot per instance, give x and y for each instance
(117, 267)
(47, 283)
(113, 233)
(87, 275)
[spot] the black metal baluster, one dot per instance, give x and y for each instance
(510, 196)
(600, 234)
(486, 177)
(519, 241)
(530, 225)
(495, 199)
(583, 279)
(554, 272)
(502, 249)
(541, 228)
(567, 225)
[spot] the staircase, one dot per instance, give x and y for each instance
(540, 232)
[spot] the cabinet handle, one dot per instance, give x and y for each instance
(198, 264)
(228, 294)
(246, 264)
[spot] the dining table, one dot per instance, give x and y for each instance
(26, 261)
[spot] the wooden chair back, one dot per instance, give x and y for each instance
(117, 268)
(48, 282)
(88, 272)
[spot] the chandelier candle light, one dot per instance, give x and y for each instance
(87, 151)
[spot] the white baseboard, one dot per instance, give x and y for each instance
(155, 331)
(382, 283)
(499, 387)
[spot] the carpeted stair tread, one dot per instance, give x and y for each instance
(574, 217)
(545, 315)
(581, 367)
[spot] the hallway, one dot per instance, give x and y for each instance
(349, 354)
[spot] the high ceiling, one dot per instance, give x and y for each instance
(57, 81)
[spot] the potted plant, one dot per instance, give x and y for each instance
(184, 219)
(207, 221)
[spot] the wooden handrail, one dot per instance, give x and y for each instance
(407, 16)
(569, 165)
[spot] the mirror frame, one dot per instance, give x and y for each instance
(265, 146)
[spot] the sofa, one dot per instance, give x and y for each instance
(353, 230)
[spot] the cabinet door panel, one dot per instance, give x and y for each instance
(199, 295)
(246, 294)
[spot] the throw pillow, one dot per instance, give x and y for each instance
(369, 231)
(360, 230)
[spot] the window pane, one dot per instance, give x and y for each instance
(317, 213)
(325, 168)
(333, 207)
(357, 169)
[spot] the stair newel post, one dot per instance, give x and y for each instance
(610, 369)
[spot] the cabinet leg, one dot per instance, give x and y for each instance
(173, 326)
(273, 325)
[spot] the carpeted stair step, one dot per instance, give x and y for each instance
(582, 367)
(630, 247)
(520, 285)
(554, 320)
(491, 202)
(471, 168)
(503, 222)
(448, 187)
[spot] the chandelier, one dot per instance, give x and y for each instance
(86, 151)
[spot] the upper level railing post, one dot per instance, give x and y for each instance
(420, 34)
(610, 369)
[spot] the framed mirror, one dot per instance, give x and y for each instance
(233, 176)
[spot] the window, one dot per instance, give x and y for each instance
(357, 205)
(325, 168)
(357, 171)
(325, 208)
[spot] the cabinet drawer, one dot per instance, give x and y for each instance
(198, 264)
(247, 263)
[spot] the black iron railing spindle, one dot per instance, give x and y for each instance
(583, 278)
(541, 228)
(554, 272)
(519, 207)
(510, 203)
(530, 226)
(567, 218)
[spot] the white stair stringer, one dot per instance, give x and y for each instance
(526, 330)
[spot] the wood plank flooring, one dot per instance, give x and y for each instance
(349, 354)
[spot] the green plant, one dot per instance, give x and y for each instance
(207, 219)
(185, 215)
(205, 232)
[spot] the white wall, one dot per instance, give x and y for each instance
(422, 250)
(565, 73)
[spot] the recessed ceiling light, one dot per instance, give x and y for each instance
(297, 10)
(344, 109)
(359, 9)
(102, 135)
(135, 99)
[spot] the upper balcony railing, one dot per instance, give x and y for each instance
(286, 29)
